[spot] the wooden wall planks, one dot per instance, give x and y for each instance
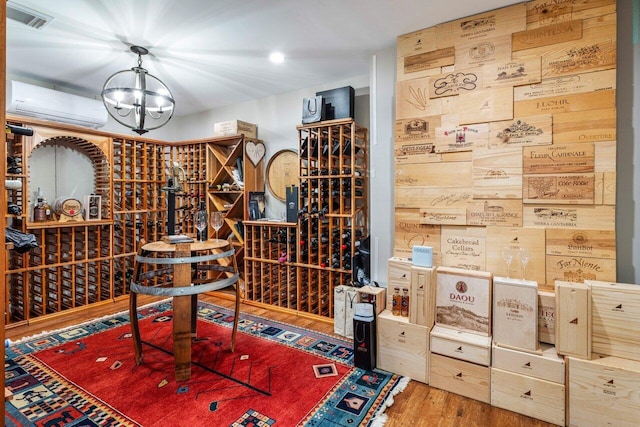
(525, 98)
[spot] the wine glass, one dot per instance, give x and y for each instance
(507, 256)
(217, 220)
(525, 255)
(200, 222)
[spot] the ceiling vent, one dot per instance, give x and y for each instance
(27, 16)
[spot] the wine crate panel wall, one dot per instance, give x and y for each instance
(505, 135)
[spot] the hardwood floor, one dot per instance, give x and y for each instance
(417, 406)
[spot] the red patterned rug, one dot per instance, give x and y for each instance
(278, 374)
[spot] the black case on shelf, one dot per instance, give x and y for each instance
(342, 102)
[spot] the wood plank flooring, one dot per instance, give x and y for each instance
(418, 406)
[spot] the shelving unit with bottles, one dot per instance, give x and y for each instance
(231, 176)
(270, 263)
(331, 222)
(83, 262)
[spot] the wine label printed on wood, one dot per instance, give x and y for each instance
(561, 189)
(463, 247)
(412, 99)
(572, 217)
(512, 73)
(534, 130)
(547, 35)
(463, 302)
(579, 58)
(581, 243)
(455, 82)
(429, 60)
(481, 52)
(417, 42)
(503, 213)
(515, 313)
(497, 173)
(567, 85)
(494, 23)
(454, 174)
(585, 126)
(461, 138)
(442, 197)
(409, 232)
(443, 216)
(566, 103)
(578, 269)
(487, 105)
(417, 129)
(566, 158)
(416, 153)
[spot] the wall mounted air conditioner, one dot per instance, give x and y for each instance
(34, 101)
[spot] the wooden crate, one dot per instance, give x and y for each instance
(460, 377)
(463, 300)
(461, 345)
(417, 42)
(573, 319)
(423, 295)
(403, 347)
(545, 365)
(416, 129)
(398, 277)
(604, 392)
(493, 23)
(373, 295)
(515, 313)
(527, 395)
(235, 127)
(547, 316)
(615, 312)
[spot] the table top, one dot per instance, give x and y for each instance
(196, 245)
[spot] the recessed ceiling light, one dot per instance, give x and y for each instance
(276, 58)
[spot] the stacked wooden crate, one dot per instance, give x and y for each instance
(604, 360)
(461, 338)
(525, 377)
(403, 345)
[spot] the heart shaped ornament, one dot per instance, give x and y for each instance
(255, 152)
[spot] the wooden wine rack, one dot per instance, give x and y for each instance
(80, 263)
(331, 222)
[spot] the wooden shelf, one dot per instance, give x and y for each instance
(297, 265)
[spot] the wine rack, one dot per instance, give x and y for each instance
(80, 263)
(270, 263)
(231, 175)
(332, 219)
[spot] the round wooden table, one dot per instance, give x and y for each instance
(183, 291)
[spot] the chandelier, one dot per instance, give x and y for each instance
(137, 99)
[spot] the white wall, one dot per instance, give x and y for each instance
(276, 117)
